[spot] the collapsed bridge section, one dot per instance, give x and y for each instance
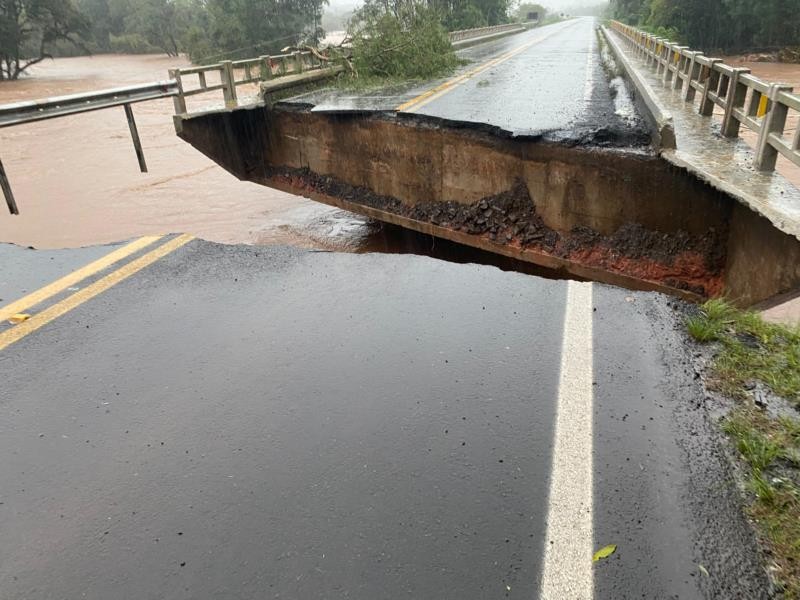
(623, 217)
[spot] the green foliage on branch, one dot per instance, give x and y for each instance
(406, 44)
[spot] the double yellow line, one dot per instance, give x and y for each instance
(440, 90)
(41, 319)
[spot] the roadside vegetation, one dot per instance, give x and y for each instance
(757, 364)
(212, 30)
(728, 25)
(394, 44)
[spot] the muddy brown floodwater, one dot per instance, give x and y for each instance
(77, 181)
(775, 73)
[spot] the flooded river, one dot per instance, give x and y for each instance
(775, 73)
(77, 181)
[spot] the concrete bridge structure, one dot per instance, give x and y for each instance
(558, 146)
(185, 419)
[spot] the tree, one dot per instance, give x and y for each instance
(634, 12)
(527, 9)
(160, 22)
(400, 39)
(242, 28)
(29, 28)
(712, 25)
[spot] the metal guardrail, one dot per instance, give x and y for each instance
(241, 72)
(19, 113)
(227, 75)
(468, 34)
(60, 106)
(761, 106)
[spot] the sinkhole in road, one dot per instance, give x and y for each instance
(587, 205)
(386, 238)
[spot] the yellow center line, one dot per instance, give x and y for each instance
(58, 309)
(42, 294)
(440, 90)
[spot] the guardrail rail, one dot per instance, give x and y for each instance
(761, 106)
(479, 32)
(293, 69)
(231, 74)
(304, 66)
(29, 111)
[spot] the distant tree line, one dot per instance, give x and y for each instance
(731, 25)
(33, 30)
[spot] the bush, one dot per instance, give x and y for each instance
(408, 44)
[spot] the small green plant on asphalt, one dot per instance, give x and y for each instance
(751, 352)
(769, 448)
(703, 329)
(756, 448)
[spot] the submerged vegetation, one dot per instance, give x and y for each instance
(758, 364)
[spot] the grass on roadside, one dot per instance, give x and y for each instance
(752, 352)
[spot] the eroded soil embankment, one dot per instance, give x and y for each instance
(682, 261)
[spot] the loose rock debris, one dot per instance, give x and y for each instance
(680, 260)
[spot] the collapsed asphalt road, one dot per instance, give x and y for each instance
(241, 422)
(549, 82)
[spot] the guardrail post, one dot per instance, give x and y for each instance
(774, 122)
(680, 69)
(668, 54)
(179, 101)
(711, 85)
(298, 62)
(137, 143)
(6, 187)
(652, 46)
(266, 68)
(737, 94)
(661, 57)
(228, 83)
(673, 65)
(796, 139)
(693, 75)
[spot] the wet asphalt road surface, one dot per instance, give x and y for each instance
(242, 422)
(547, 82)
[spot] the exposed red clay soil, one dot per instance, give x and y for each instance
(677, 260)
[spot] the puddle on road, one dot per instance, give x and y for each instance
(624, 106)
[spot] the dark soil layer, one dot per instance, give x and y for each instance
(679, 260)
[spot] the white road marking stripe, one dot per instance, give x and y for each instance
(567, 572)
